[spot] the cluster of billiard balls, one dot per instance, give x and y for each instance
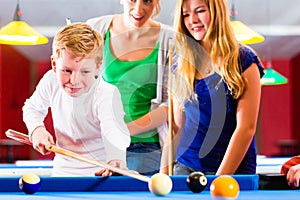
(224, 186)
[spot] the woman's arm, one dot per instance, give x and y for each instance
(247, 114)
(151, 120)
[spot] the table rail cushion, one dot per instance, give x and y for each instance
(113, 183)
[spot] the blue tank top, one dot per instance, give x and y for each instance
(211, 121)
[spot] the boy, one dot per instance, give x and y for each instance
(87, 112)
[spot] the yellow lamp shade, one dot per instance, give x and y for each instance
(244, 34)
(20, 33)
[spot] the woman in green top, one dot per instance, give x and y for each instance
(136, 61)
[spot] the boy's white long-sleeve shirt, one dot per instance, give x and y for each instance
(91, 124)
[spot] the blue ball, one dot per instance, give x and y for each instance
(30, 183)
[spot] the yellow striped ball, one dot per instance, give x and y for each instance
(30, 183)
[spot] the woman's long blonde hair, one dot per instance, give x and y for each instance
(219, 42)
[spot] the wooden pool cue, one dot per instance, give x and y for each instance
(170, 113)
(24, 138)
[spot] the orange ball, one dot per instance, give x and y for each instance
(225, 186)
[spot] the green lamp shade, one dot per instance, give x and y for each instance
(244, 34)
(272, 77)
(20, 33)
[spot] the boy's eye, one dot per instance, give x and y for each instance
(66, 71)
(86, 72)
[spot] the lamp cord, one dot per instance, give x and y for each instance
(18, 13)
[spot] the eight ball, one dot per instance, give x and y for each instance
(196, 182)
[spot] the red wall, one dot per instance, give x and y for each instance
(18, 79)
(295, 101)
(1, 95)
(14, 89)
(276, 111)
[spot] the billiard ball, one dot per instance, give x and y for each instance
(160, 184)
(225, 186)
(30, 183)
(196, 182)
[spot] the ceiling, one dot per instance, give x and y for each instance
(277, 20)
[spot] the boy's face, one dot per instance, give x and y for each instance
(75, 75)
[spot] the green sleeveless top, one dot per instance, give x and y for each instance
(136, 81)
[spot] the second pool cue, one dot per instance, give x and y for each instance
(170, 113)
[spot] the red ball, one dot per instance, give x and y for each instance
(30, 183)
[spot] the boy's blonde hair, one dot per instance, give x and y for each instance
(81, 40)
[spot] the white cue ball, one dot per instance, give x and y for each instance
(160, 184)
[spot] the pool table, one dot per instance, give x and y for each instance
(122, 187)
(44, 167)
(40, 168)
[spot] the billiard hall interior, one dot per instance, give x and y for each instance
(22, 66)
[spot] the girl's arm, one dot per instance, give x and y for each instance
(247, 114)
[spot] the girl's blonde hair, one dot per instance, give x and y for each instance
(219, 42)
(81, 40)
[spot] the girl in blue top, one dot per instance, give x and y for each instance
(216, 87)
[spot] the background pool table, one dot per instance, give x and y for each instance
(44, 167)
(121, 187)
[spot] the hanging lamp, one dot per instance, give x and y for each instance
(272, 77)
(243, 33)
(18, 32)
